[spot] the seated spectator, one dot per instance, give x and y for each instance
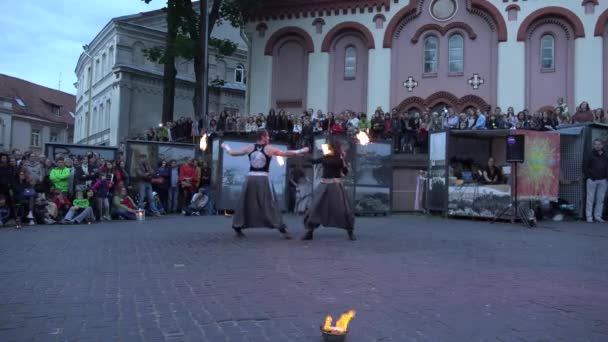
(25, 195)
(583, 114)
(45, 211)
(198, 203)
(124, 206)
(5, 211)
(62, 203)
(80, 211)
(491, 173)
(158, 204)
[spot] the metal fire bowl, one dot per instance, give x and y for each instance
(331, 337)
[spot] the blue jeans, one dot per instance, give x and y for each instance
(145, 192)
(173, 196)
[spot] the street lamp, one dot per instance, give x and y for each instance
(85, 49)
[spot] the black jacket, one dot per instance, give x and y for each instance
(596, 166)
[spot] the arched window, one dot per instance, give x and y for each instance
(456, 53)
(547, 52)
(431, 45)
(100, 116)
(93, 121)
(350, 62)
(239, 74)
(104, 65)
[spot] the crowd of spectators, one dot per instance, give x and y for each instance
(408, 130)
(83, 189)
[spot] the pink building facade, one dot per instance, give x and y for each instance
(411, 54)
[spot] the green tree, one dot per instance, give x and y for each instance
(186, 38)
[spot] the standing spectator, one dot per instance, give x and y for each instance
(6, 177)
(297, 134)
(596, 172)
(583, 114)
(69, 163)
(124, 206)
(60, 176)
(161, 182)
(205, 179)
(463, 122)
(174, 187)
(364, 124)
(144, 175)
(377, 125)
(563, 106)
(547, 123)
(188, 179)
(451, 122)
(33, 167)
(103, 194)
(480, 120)
(121, 177)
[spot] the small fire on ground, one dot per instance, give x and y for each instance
(341, 326)
(363, 138)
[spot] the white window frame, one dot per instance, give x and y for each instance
(543, 48)
(424, 59)
(459, 50)
(350, 63)
(239, 69)
(35, 138)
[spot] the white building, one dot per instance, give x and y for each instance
(364, 54)
(126, 96)
(32, 115)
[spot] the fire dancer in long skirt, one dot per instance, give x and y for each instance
(330, 205)
(258, 205)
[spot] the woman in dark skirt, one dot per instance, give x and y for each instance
(330, 205)
(258, 205)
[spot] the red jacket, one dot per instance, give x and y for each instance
(61, 204)
(189, 171)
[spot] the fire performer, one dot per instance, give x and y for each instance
(258, 205)
(330, 205)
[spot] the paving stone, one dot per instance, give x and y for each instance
(410, 278)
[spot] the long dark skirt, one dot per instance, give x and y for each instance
(258, 206)
(330, 207)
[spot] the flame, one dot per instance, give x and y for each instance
(203, 143)
(280, 160)
(363, 138)
(341, 324)
(325, 148)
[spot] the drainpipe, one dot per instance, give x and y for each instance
(247, 73)
(88, 118)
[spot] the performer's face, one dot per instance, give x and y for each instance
(264, 139)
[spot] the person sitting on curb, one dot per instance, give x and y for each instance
(124, 206)
(198, 203)
(80, 210)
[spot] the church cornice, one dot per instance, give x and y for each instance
(289, 9)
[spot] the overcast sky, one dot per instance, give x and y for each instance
(41, 38)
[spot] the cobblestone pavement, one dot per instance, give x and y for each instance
(410, 278)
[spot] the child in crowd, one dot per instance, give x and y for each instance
(103, 192)
(80, 211)
(62, 202)
(158, 203)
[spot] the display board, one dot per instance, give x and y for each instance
(71, 150)
(538, 177)
(369, 181)
(437, 178)
(157, 151)
(234, 171)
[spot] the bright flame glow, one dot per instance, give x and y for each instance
(203, 143)
(280, 160)
(363, 138)
(325, 148)
(341, 325)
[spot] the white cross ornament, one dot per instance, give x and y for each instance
(410, 84)
(476, 81)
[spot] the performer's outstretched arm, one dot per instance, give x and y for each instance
(245, 151)
(273, 151)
